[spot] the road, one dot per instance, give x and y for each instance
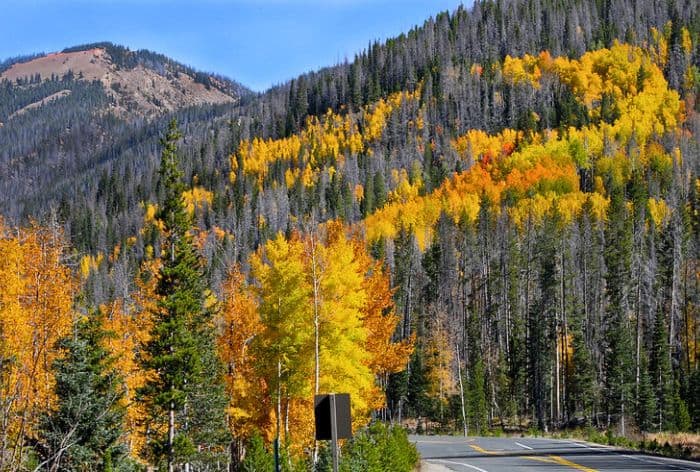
(450, 453)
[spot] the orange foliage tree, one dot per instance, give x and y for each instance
(325, 282)
(538, 175)
(35, 311)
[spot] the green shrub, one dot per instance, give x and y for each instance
(666, 449)
(595, 436)
(654, 446)
(257, 456)
(325, 458)
(290, 463)
(496, 432)
(379, 448)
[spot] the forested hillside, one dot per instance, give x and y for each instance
(64, 114)
(488, 222)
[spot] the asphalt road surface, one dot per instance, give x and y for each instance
(450, 453)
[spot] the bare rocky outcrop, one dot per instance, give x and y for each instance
(137, 90)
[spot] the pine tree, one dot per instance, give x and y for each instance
(478, 407)
(662, 376)
(82, 432)
(367, 203)
(618, 358)
(379, 187)
(583, 383)
(419, 402)
(646, 398)
(257, 457)
(694, 399)
(184, 396)
(681, 415)
(541, 323)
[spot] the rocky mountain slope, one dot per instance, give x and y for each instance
(142, 88)
(64, 114)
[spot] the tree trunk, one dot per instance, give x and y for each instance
(317, 349)
(171, 437)
(461, 393)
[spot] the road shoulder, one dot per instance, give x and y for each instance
(426, 466)
(636, 454)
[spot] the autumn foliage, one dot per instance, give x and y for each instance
(268, 335)
(311, 311)
(36, 310)
(531, 176)
(323, 141)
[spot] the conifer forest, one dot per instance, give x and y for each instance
(488, 223)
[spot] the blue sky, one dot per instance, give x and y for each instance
(257, 42)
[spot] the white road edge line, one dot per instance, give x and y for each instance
(648, 461)
(595, 447)
(660, 460)
(473, 467)
(523, 445)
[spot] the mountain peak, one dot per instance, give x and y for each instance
(137, 83)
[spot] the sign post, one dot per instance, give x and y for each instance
(276, 451)
(334, 433)
(333, 420)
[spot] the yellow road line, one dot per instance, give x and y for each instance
(482, 450)
(540, 459)
(549, 459)
(574, 465)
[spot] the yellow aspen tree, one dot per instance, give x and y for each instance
(284, 349)
(35, 313)
(13, 333)
(324, 283)
(129, 327)
(380, 321)
(343, 358)
(239, 325)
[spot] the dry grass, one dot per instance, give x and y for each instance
(688, 441)
(92, 63)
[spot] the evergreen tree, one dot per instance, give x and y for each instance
(83, 430)
(419, 402)
(367, 203)
(379, 187)
(541, 322)
(184, 397)
(583, 392)
(662, 376)
(646, 398)
(257, 457)
(478, 407)
(694, 399)
(681, 415)
(619, 359)
(397, 392)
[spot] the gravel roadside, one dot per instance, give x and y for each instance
(431, 467)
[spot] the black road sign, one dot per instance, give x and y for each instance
(326, 416)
